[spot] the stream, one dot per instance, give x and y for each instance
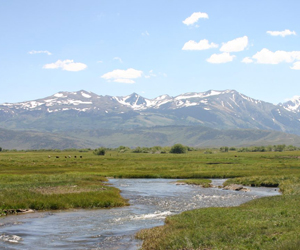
(151, 200)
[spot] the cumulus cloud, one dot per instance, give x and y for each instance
(281, 33)
(220, 58)
(118, 59)
(235, 45)
(32, 52)
(247, 60)
(123, 76)
(266, 56)
(128, 81)
(296, 66)
(146, 33)
(202, 45)
(194, 18)
(68, 65)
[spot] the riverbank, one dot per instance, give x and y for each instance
(199, 182)
(151, 201)
(265, 223)
(27, 193)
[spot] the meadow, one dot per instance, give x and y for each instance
(44, 180)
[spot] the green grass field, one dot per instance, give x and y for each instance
(33, 180)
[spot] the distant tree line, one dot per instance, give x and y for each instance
(175, 149)
(269, 148)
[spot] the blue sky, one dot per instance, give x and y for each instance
(152, 47)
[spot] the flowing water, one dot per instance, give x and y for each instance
(151, 200)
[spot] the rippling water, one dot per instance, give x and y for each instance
(151, 201)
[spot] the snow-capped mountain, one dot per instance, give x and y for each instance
(86, 110)
(293, 104)
(63, 101)
(86, 101)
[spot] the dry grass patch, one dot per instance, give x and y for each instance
(66, 189)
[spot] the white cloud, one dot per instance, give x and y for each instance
(67, 65)
(281, 33)
(128, 81)
(151, 74)
(146, 33)
(235, 45)
(266, 56)
(99, 61)
(202, 45)
(194, 18)
(123, 76)
(247, 60)
(296, 66)
(118, 59)
(220, 58)
(40, 52)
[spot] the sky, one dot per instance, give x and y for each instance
(117, 47)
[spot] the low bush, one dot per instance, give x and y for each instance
(99, 151)
(178, 149)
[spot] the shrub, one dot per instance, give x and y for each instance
(123, 149)
(190, 148)
(224, 149)
(156, 149)
(99, 151)
(178, 149)
(137, 150)
(279, 148)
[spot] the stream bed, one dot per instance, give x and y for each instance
(151, 200)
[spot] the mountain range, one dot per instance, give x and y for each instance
(75, 114)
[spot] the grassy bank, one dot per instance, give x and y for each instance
(267, 223)
(60, 191)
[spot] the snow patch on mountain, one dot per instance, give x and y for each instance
(293, 104)
(85, 95)
(59, 95)
(201, 95)
(249, 99)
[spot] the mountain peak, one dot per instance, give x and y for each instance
(220, 109)
(292, 104)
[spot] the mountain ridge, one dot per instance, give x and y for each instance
(137, 101)
(227, 109)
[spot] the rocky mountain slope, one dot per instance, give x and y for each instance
(226, 109)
